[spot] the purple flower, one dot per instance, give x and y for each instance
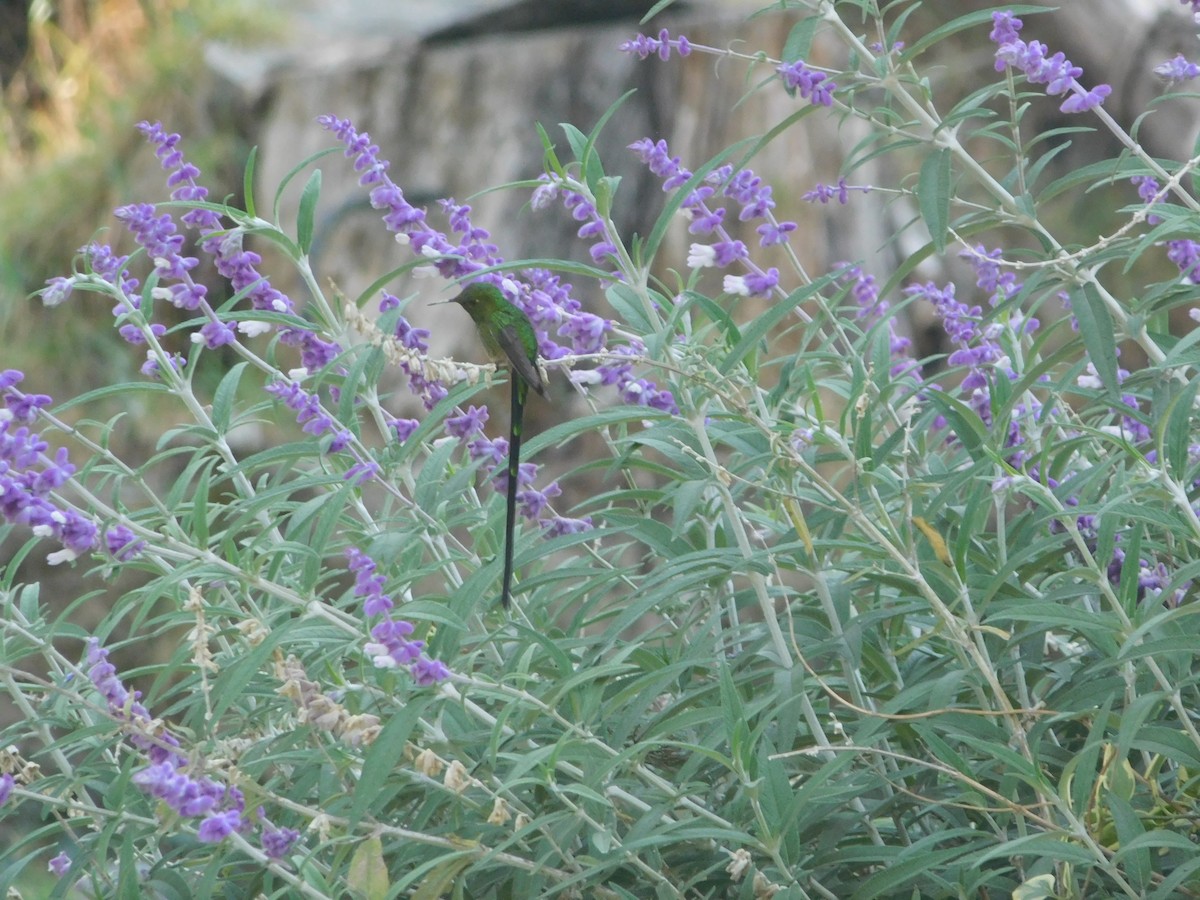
(1084, 100)
(533, 503)
(278, 842)
(219, 826)
(1057, 72)
(403, 429)
(1185, 254)
(57, 290)
(121, 544)
(1148, 192)
(168, 776)
(390, 645)
(367, 583)
(466, 424)
(1000, 283)
(362, 471)
(6, 787)
(232, 261)
(560, 525)
(426, 671)
(28, 477)
(215, 334)
(811, 84)
(60, 865)
(644, 46)
(1177, 70)
(1004, 30)
(872, 307)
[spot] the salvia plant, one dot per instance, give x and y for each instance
(840, 621)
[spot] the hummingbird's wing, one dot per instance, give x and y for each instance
(521, 357)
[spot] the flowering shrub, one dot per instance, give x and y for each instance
(842, 622)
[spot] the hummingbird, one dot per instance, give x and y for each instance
(509, 338)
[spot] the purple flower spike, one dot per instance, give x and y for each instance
(1176, 70)
(644, 46)
(1055, 71)
(808, 83)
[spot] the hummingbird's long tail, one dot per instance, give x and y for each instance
(517, 389)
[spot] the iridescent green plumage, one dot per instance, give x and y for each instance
(509, 339)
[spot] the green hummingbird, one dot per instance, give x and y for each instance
(509, 338)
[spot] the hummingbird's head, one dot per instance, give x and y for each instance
(478, 295)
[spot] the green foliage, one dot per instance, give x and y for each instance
(835, 630)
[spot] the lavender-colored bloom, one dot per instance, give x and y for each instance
(278, 842)
(427, 672)
(166, 777)
(491, 451)
(362, 471)
(219, 826)
(215, 334)
(392, 635)
(644, 46)
(27, 476)
(57, 290)
(1177, 70)
(121, 543)
(726, 253)
(560, 525)
(1185, 253)
(151, 367)
(1004, 30)
(1085, 100)
(232, 261)
(466, 424)
(6, 787)
(157, 234)
(999, 282)
(403, 429)
(24, 407)
(872, 307)
(59, 865)
(1148, 192)
(533, 503)
(390, 645)
(1057, 72)
(410, 337)
(526, 472)
(752, 284)
(309, 414)
(811, 84)
(367, 583)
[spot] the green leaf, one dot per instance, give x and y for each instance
(248, 182)
(291, 174)
(754, 331)
(799, 40)
(969, 22)
(628, 307)
(656, 9)
(1099, 338)
(384, 756)
(734, 712)
(1137, 865)
(308, 211)
(1177, 433)
(368, 873)
(223, 398)
(442, 878)
(963, 420)
(934, 196)
(576, 139)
